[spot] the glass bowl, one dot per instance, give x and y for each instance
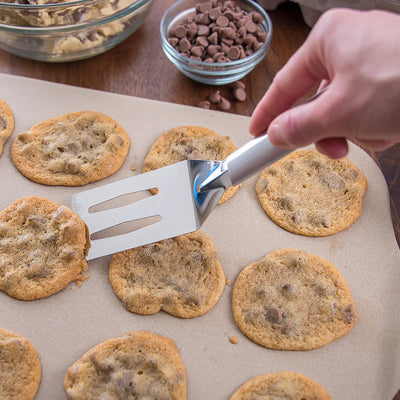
(61, 31)
(212, 73)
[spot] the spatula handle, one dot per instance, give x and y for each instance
(251, 158)
(256, 154)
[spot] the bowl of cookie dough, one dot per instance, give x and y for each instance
(62, 30)
(216, 42)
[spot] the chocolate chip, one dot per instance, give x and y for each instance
(228, 33)
(349, 313)
(230, 14)
(215, 97)
(213, 38)
(273, 315)
(219, 57)
(203, 30)
(213, 49)
(203, 19)
(222, 21)
(239, 94)
(204, 104)
(262, 36)
(249, 41)
(234, 53)
(251, 27)
(197, 50)
(3, 123)
(214, 13)
(225, 48)
(238, 84)
(202, 41)
(71, 168)
(73, 147)
(173, 41)
(78, 13)
(184, 44)
(228, 42)
(257, 17)
(257, 46)
(203, 7)
(180, 31)
(224, 104)
(242, 32)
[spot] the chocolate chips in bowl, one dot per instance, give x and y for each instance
(216, 42)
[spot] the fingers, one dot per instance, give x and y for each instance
(333, 147)
(298, 77)
(308, 123)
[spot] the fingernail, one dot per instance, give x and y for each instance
(273, 133)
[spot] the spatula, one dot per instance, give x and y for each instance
(187, 193)
(180, 203)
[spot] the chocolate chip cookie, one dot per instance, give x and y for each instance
(71, 150)
(138, 365)
(281, 385)
(292, 300)
(43, 247)
(181, 276)
(20, 369)
(190, 143)
(6, 123)
(310, 194)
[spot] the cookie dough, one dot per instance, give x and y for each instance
(80, 40)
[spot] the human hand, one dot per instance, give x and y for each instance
(358, 54)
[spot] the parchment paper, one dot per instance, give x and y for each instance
(365, 364)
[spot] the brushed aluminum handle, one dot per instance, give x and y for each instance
(256, 154)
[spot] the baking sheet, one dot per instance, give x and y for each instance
(365, 364)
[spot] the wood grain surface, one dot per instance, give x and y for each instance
(138, 67)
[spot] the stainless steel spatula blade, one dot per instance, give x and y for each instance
(178, 204)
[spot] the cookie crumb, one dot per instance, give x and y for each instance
(82, 279)
(228, 282)
(233, 340)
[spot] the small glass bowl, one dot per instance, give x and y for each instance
(68, 31)
(221, 73)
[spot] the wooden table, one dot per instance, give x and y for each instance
(138, 67)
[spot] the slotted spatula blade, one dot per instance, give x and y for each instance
(180, 208)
